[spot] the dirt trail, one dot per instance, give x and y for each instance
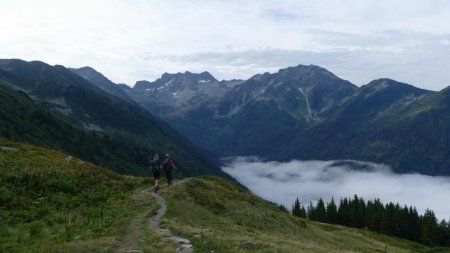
(130, 241)
(185, 245)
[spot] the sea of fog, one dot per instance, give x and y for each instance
(282, 183)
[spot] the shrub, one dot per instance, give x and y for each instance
(36, 228)
(6, 196)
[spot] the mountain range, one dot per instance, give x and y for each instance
(302, 112)
(51, 106)
(305, 112)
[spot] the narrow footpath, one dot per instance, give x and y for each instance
(132, 240)
(185, 245)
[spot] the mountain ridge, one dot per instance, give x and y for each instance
(84, 106)
(307, 112)
(101, 82)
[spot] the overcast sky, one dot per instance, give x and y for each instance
(358, 40)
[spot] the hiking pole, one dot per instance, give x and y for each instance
(175, 177)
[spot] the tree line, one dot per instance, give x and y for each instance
(391, 219)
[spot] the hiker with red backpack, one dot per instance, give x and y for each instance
(168, 167)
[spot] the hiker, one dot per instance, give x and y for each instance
(168, 166)
(155, 165)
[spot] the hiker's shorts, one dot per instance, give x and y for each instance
(156, 174)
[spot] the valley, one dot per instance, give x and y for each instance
(308, 113)
(302, 112)
(206, 126)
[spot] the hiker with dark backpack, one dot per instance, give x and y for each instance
(169, 167)
(155, 165)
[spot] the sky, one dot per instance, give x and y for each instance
(358, 40)
(282, 183)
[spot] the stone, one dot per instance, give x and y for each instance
(8, 149)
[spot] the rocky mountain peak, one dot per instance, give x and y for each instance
(306, 72)
(187, 77)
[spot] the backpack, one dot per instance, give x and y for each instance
(155, 165)
(172, 164)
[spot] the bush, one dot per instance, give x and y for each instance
(36, 228)
(6, 196)
(5, 231)
(66, 186)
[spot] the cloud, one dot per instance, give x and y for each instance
(415, 58)
(309, 180)
(141, 39)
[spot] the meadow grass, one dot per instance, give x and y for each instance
(219, 216)
(52, 203)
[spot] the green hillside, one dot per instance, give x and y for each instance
(47, 200)
(50, 203)
(69, 114)
(374, 126)
(218, 216)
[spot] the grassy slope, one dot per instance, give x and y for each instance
(49, 204)
(22, 120)
(218, 216)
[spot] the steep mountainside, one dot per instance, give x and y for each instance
(306, 112)
(116, 127)
(388, 122)
(262, 114)
(102, 82)
(173, 94)
(303, 91)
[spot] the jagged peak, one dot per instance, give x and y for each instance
(205, 75)
(142, 83)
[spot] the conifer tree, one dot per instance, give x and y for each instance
(332, 212)
(321, 212)
(311, 212)
(391, 219)
(429, 228)
(414, 224)
(303, 212)
(283, 208)
(298, 209)
(344, 212)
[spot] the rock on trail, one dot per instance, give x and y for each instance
(185, 245)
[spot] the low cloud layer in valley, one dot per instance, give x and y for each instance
(309, 180)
